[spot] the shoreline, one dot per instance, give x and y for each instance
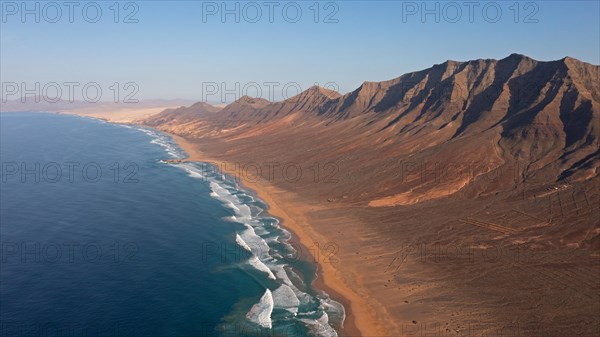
(359, 318)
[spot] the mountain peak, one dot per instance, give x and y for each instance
(517, 55)
(570, 61)
(317, 90)
(248, 100)
(199, 104)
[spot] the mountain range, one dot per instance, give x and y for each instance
(518, 116)
(468, 192)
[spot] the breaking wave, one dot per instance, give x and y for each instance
(261, 311)
(287, 301)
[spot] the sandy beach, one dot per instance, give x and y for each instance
(121, 115)
(361, 320)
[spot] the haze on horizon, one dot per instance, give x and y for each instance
(189, 49)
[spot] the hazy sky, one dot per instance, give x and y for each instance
(181, 49)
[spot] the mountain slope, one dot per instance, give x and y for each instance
(468, 192)
(181, 115)
(536, 120)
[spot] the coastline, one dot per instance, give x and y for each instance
(359, 319)
(361, 316)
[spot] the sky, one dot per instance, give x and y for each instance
(217, 51)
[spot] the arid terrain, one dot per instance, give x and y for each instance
(459, 200)
(462, 200)
(312, 168)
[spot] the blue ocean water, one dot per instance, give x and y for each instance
(101, 237)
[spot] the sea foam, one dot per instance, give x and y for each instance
(286, 296)
(261, 311)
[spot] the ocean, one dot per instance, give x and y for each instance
(100, 236)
